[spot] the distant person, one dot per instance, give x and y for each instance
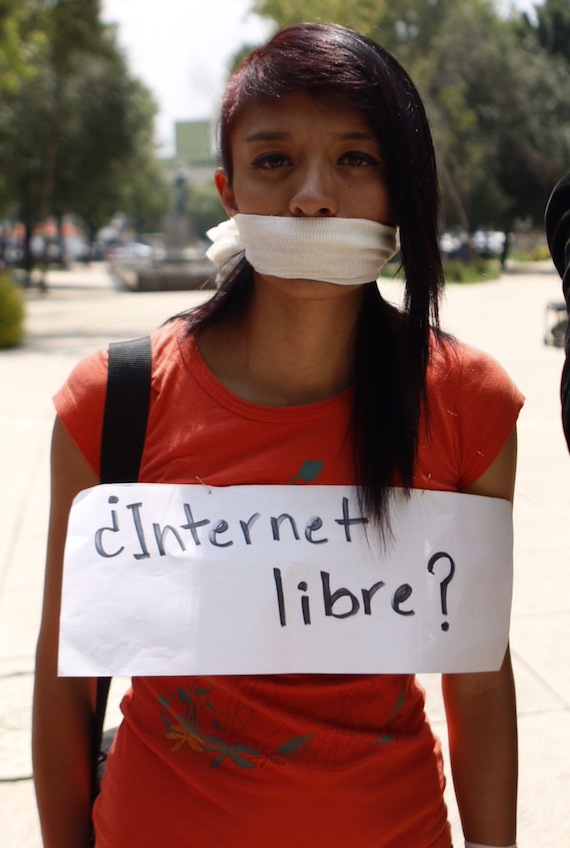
(297, 372)
(506, 249)
(557, 222)
(3, 247)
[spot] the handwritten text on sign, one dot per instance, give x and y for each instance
(176, 580)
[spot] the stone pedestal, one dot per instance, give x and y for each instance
(178, 237)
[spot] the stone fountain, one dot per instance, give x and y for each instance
(180, 264)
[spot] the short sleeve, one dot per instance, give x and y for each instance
(473, 410)
(492, 404)
(80, 404)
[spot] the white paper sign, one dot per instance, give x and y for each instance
(192, 580)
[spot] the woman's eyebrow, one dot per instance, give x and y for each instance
(266, 135)
(356, 135)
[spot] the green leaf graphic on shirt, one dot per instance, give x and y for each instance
(297, 746)
(310, 470)
(182, 694)
(187, 730)
(388, 737)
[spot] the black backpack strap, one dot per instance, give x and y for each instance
(97, 755)
(126, 410)
(125, 418)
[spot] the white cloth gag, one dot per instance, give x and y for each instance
(344, 251)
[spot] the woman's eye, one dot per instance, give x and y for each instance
(269, 161)
(356, 159)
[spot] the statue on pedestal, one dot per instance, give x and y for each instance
(178, 231)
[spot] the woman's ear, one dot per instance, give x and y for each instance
(225, 191)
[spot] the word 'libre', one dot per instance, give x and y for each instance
(348, 600)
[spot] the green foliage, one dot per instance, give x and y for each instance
(73, 26)
(539, 254)
(77, 130)
(11, 313)
(501, 116)
(105, 159)
(20, 36)
(408, 29)
(205, 208)
(553, 27)
(145, 194)
(474, 271)
(363, 15)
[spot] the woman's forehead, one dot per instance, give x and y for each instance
(265, 117)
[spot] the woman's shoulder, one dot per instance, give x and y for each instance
(80, 402)
(447, 351)
(172, 345)
(460, 367)
(89, 375)
(473, 406)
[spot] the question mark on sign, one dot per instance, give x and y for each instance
(444, 583)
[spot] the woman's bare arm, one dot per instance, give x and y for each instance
(63, 707)
(481, 716)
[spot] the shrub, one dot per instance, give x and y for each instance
(477, 270)
(11, 313)
(540, 253)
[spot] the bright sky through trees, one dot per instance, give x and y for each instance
(181, 49)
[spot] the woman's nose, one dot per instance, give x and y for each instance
(314, 194)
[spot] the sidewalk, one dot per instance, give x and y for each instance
(82, 312)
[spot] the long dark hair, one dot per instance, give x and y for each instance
(392, 348)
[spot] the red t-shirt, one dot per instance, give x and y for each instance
(281, 760)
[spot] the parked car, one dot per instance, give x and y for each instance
(130, 250)
(488, 243)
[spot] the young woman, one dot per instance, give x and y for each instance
(325, 150)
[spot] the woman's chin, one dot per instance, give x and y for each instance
(303, 287)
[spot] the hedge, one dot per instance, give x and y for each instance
(11, 313)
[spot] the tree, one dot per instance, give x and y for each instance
(106, 158)
(19, 40)
(362, 15)
(18, 36)
(143, 187)
(70, 132)
(553, 27)
(23, 116)
(205, 208)
(408, 28)
(145, 193)
(501, 117)
(75, 35)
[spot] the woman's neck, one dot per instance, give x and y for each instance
(290, 348)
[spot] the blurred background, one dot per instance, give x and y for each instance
(108, 123)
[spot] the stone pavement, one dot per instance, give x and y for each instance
(83, 311)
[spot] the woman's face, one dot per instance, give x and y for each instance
(300, 156)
